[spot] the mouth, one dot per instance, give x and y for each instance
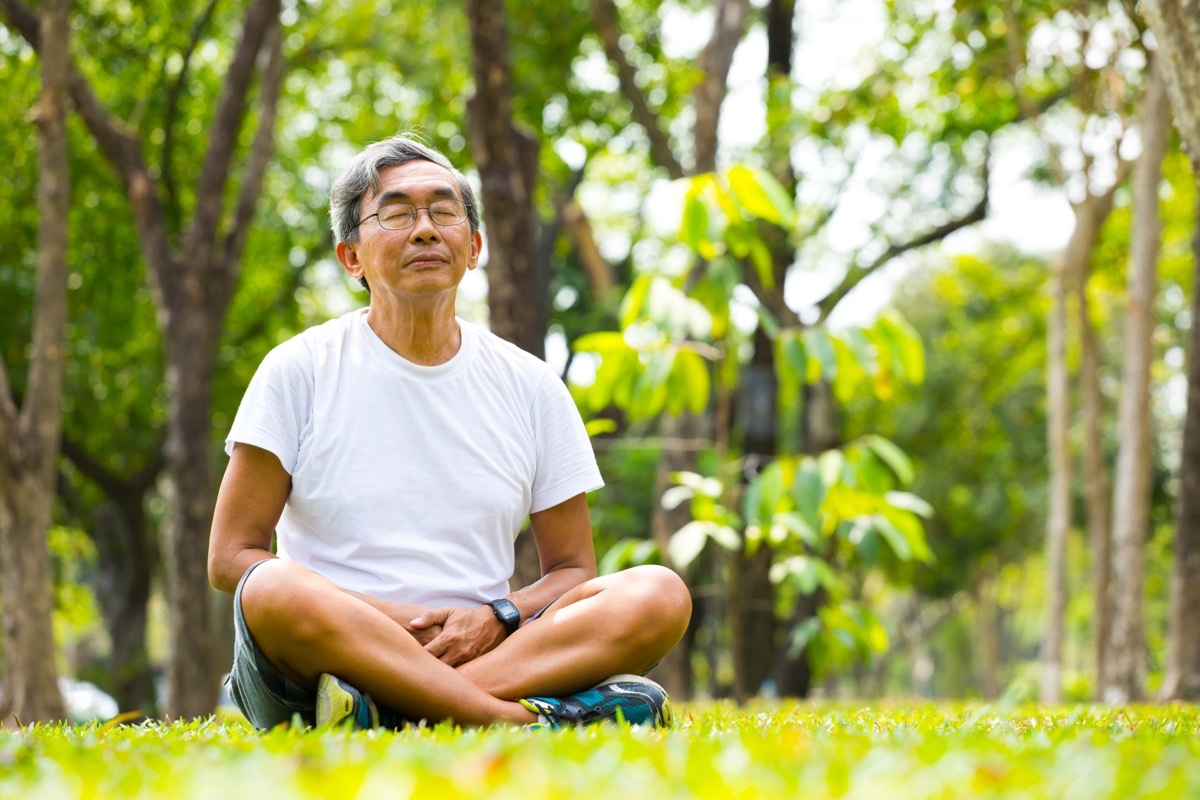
(425, 260)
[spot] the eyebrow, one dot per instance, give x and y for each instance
(398, 195)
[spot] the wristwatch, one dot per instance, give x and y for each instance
(506, 612)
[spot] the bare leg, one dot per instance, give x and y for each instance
(625, 622)
(306, 625)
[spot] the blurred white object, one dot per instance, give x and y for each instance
(86, 701)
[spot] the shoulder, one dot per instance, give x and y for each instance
(300, 356)
(505, 354)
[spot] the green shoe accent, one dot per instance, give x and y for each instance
(338, 703)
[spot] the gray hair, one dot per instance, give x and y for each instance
(362, 177)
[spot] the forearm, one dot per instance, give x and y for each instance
(401, 613)
(551, 586)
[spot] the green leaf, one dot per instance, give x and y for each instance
(909, 349)
(909, 502)
(791, 362)
(600, 426)
(760, 194)
(891, 455)
(687, 543)
(808, 490)
(688, 384)
(635, 300)
(893, 536)
(822, 361)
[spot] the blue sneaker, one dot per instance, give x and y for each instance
(339, 702)
(632, 698)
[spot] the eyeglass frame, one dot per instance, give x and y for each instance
(466, 215)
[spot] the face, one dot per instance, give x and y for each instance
(426, 258)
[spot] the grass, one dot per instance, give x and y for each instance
(784, 750)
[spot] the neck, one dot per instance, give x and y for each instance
(426, 336)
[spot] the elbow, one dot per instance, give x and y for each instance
(221, 570)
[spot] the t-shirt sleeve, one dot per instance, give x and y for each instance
(276, 406)
(566, 464)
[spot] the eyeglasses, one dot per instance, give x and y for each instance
(399, 216)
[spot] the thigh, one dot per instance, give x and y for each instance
(266, 696)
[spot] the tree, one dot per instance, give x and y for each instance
(29, 432)
(1124, 679)
(1176, 26)
(193, 274)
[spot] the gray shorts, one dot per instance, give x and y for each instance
(264, 694)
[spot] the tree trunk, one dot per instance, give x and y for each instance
(507, 160)
(1058, 518)
(1176, 26)
(1095, 476)
(29, 436)
(123, 591)
(192, 671)
(1131, 502)
(1090, 215)
(1181, 680)
(793, 672)
(988, 633)
(126, 560)
(675, 672)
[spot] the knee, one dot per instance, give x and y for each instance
(280, 599)
(664, 600)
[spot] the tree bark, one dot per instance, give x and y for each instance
(507, 160)
(1095, 476)
(1181, 679)
(29, 436)
(1131, 502)
(192, 286)
(1176, 26)
(714, 62)
(1058, 517)
(1090, 215)
(127, 558)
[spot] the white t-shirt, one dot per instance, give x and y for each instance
(410, 483)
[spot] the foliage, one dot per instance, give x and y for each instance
(823, 516)
(769, 751)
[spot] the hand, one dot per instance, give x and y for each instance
(464, 634)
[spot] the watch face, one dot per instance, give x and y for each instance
(507, 613)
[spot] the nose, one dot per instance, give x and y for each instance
(423, 228)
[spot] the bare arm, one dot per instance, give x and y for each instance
(249, 504)
(563, 535)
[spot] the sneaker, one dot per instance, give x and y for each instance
(632, 698)
(339, 702)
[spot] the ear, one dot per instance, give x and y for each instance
(476, 249)
(348, 256)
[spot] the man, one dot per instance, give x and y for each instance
(395, 453)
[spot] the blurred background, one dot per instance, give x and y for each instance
(878, 314)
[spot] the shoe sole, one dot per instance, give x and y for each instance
(335, 705)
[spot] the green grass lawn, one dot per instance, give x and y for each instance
(785, 750)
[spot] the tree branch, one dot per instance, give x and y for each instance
(606, 18)
(223, 135)
(124, 152)
(714, 62)
(176, 91)
(115, 484)
(857, 274)
(260, 156)
(1029, 109)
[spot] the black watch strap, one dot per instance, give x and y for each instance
(507, 613)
